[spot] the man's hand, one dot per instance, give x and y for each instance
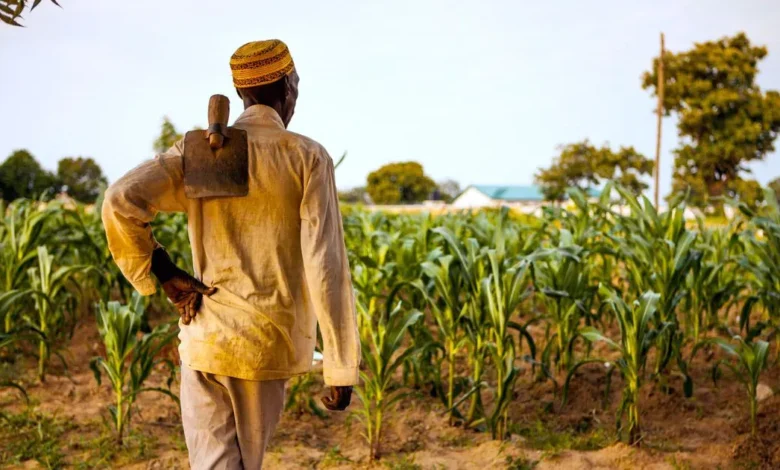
(339, 398)
(186, 293)
(183, 290)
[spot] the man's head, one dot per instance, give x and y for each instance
(264, 73)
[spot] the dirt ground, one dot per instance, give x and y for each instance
(708, 431)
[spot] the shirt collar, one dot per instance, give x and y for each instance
(262, 115)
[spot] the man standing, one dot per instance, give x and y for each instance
(274, 261)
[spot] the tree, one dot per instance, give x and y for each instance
(354, 196)
(725, 120)
(21, 176)
(584, 166)
(168, 136)
(82, 178)
(448, 190)
(11, 10)
(774, 185)
(399, 183)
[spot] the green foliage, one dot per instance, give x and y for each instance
(54, 293)
(21, 176)
(637, 338)
(129, 359)
(774, 185)
(11, 10)
(752, 360)
(584, 166)
(82, 178)
(448, 190)
(31, 435)
(355, 195)
(724, 119)
(168, 136)
(381, 338)
(300, 397)
(762, 260)
(399, 183)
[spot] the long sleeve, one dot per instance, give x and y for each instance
(327, 274)
(131, 203)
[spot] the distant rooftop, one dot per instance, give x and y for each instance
(511, 193)
(517, 192)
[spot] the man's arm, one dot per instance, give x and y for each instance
(328, 279)
(130, 204)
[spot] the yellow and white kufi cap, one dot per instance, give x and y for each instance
(260, 63)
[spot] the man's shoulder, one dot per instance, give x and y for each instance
(306, 144)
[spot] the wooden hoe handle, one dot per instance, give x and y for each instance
(219, 111)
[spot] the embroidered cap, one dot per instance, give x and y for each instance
(260, 63)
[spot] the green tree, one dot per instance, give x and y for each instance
(168, 136)
(11, 10)
(583, 165)
(353, 196)
(82, 178)
(724, 119)
(399, 183)
(22, 176)
(448, 190)
(774, 185)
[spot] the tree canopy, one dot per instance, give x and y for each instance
(399, 183)
(774, 185)
(82, 178)
(22, 176)
(583, 165)
(168, 136)
(725, 120)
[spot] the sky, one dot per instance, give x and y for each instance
(479, 92)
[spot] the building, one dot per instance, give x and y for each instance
(526, 198)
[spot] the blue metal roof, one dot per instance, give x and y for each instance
(511, 193)
(518, 193)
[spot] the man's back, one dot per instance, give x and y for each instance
(276, 257)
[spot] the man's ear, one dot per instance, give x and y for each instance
(238, 92)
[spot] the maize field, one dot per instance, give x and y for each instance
(493, 327)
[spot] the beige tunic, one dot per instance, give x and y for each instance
(277, 257)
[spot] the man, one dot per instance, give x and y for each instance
(272, 260)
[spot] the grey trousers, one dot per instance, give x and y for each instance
(228, 421)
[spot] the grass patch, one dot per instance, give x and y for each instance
(403, 463)
(551, 441)
(333, 458)
(103, 452)
(31, 435)
(520, 463)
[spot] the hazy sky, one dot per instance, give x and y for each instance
(477, 91)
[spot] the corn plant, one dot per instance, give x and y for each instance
(23, 229)
(637, 337)
(505, 289)
(54, 292)
(300, 398)
(751, 362)
(762, 261)
(716, 280)
(469, 257)
(448, 308)
(17, 335)
(658, 253)
(129, 359)
(561, 277)
(381, 340)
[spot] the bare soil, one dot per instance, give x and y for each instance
(708, 431)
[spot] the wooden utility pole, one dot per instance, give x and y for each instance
(660, 111)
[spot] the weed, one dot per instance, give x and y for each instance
(333, 457)
(403, 463)
(32, 435)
